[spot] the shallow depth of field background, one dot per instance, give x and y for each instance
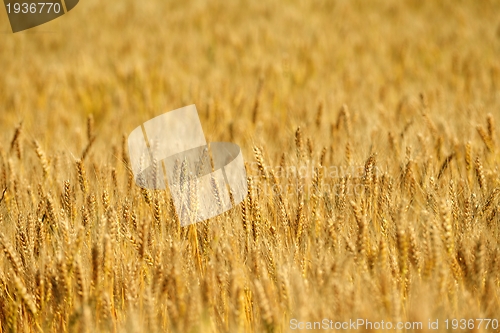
(396, 98)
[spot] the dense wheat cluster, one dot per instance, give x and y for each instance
(371, 146)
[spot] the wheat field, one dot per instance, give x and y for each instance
(372, 155)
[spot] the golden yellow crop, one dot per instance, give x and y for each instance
(369, 132)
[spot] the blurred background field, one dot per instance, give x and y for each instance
(420, 81)
(125, 62)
